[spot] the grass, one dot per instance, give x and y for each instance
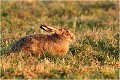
(93, 55)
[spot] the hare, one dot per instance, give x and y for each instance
(56, 43)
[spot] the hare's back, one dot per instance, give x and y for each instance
(28, 42)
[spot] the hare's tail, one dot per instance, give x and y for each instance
(16, 47)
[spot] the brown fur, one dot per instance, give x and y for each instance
(57, 43)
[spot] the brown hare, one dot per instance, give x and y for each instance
(56, 43)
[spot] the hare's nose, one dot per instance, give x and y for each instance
(72, 37)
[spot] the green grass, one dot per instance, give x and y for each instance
(93, 55)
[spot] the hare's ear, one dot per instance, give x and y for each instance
(48, 28)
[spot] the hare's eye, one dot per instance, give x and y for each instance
(67, 31)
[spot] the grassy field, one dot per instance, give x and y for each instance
(93, 55)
